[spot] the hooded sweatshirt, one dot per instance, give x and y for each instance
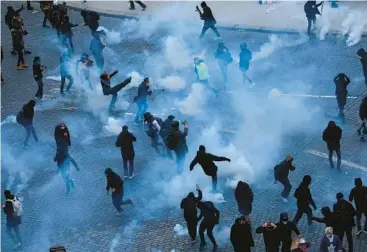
(206, 160)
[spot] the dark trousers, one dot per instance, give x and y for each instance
(180, 161)
(208, 226)
(214, 182)
(29, 130)
(45, 18)
(341, 104)
(338, 154)
(132, 5)
(363, 129)
(63, 79)
(113, 91)
(65, 38)
(304, 210)
(365, 76)
(311, 21)
(349, 235)
(191, 227)
(118, 202)
(286, 245)
(359, 218)
(128, 170)
(14, 230)
(39, 93)
(245, 77)
(206, 27)
(20, 57)
(287, 187)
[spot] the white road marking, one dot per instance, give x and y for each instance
(316, 96)
(344, 162)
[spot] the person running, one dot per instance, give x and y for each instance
(142, 5)
(65, 67)
(281, 172)
(209, 20)
(125, 141)
(224, 58)
(13, 210)
(189, 206)
(332, 135)
(244, 64)
(176, 141)
(341, 82)
(311, 10)
(38, 69)
(141, 100)
(116, 184)
(359, 195)
(25, 118)
(206, 160)
(108, 90)
(152, 128)
(210, 216)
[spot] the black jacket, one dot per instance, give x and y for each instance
(207, 15)
(114, 181)
(241, 237)
(9, 16)
(328, 219)
(344, 213)
(11, 220)
(37, 70)
(285, 231)
(359, 195)
(180, 136)
(143, 92)
(206, 160)
(65, 28)
(332, 136)
(189, 205)
(363, 109)
(125, 141)
(62, 139)
(28, 114)
(341, 82)
(311, 9)
(281, 171)
(17, 39)
(166, 129)
(209, 212)
(244, 197)
(271, 238)
(303, 196)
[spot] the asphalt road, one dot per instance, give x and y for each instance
(85, 220)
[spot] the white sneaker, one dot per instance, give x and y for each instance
(284, 199)
(118, 214)
(359, 232)
(132, 176)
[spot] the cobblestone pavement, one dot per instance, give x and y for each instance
(85, 220)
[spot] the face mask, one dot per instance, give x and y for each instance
(284, 221)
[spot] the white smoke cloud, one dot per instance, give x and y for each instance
(112, 37)
(9, 119)
(113, 126)
(194, 103)
(176, 54)
(172, 83)
(180, 230)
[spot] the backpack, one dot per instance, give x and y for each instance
(20, 116)
(172, 141)
(17, 206)
(159, 121)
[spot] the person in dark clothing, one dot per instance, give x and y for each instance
(65, 65)
(209, 20)
(10, 14)
(116, 184)
(38, 76)
(83, 67)
(359, 195)
(125, 141)
(284, 230)
(281, 172)
(12, 219)
(329, 218)
(362, 54)
(341, 82)
(304, 199)
(25, 118)
(108, 90)
(180, 146)
(153, 128)
(58, 12)
(165, 131)
(344, 213)
(224, 58)
(244, 64)
(29, 6)
(241, 236)
(244, 197)
(362, 130)
(311, 10)
(142, 5)
(90, 18)
(332, 135)
(17, 24)
(2, 57)
(211, 217)
(206, 160)
(189, 205)
(271, 239)
(18, 45)
(141, 99)
(96, 47)
(67, 33)
(46, 7)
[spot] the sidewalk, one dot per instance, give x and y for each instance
(349, 18)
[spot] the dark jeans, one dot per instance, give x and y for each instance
(214, 182)
(118, 202)
(45, 18)
(311, 21)
(365, 76)
(132, 5)
(20, 57)
(113, 91)
(287, 187)
(191, 227)
(208, 226)
(211, 26)
(63, 79)
(363, 129)
(128, 170)
(180, 161)
(30, 130)
(341, 104)
(142, 108)
(338, 154)
(359, 218)
(64, 39)
(156, 144)
(286, 245)
(39, 93)
(349, 235)
(304, 210)
(15, 238)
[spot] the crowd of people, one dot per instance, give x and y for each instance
(167, 138)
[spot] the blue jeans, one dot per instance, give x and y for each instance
(64, 169)
(118, 202)
(15, 238)
(30, 130)
(142, 108)
(180, 161)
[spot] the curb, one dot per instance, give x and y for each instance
(228, 28)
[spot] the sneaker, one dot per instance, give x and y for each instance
(136, 123)
(144, 9)
(131, 8)
(284, 199)
(359, 232)
(13, 52)
(27, 52)
(18, 245)
(193, 241)
(25, 65)
(359, 132)
(202, 245)
(118, 214)
(20, 68)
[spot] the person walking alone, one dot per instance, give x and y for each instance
(13, 210)
(125, 141)
(281, 172)
(359, 195)
(244, 197)
(38, 76)
(142, 5)
(209, 20)
(341, 82)
(25, 118)
(332, 135)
